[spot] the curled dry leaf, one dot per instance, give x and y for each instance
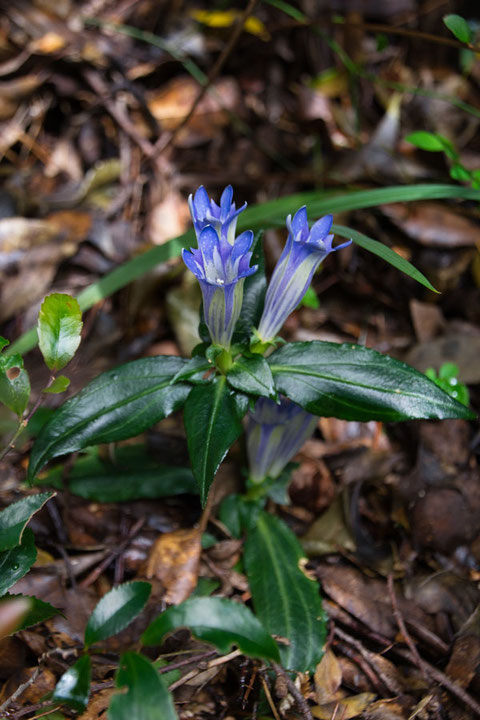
(174, 560)
(433, 224)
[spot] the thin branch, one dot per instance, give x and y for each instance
(303, 705)
(161, 144)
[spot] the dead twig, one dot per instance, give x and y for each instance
(161, 145)
(92, 577)
(303, 705)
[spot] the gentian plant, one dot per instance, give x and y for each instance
(242, 377)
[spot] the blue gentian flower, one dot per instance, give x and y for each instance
(275, 433)
(303, 252)
(223, 218)
(221, 263)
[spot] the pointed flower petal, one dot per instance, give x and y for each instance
(303, 252)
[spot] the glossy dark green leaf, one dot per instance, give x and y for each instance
(59, 330)
(147, 696)
(15, 563)
(459, 27)
(130, 474)
(253, 293)
(38, 611)
(252, 375)
(116, 610)
(238, 513)
(73, 688)
(212, 425)
(16, 516)
(14, 381)
(118, 404)
(352, 382)
(193, 371)
(215, 620)
(285, 600)
(385, 253)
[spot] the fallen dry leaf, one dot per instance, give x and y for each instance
(433, 224)
(174, 560)
(328, 678)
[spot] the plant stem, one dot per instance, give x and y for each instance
(11, 444)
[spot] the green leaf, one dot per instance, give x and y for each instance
(265, 215)
(73, 688)
(147, 697)
(118, 404)
(212, 425)
(38, 612)
(352, 382)
(14, 382)
(459, 27)
(59, 385)
(252, 375)
(59, 330)
(432, 142)
(384, 252)
(238, 513)
(15, 563)
(131, 474)
(116, 610)
(285, 599)
(193, 371)
(16, 516)
(460, 173)
(219, 621)
(310, 299)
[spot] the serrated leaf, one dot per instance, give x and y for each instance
(59, 385)
(252, 375)
(116, 610)
(14, 382)
(59, 330)
(459, 27)
(38, 610)
(285, 600)
(73, 688)
(219, 621)
(352, 382)
(147, 697)
(118, 404)
(16, 516)
(15, 563)
(385, 253)
(212, 425)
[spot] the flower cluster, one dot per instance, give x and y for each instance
(222, 262)
(275, 433)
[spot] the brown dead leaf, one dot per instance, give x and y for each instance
(328, 678)
(385, 710)
(428, 320)
(49, 43)
(98, 704)
(433, 224)
(170, 106)
(44, 684)
(174, 560)
(329, 532)
(346, 709)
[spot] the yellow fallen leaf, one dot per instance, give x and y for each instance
(226, 18)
